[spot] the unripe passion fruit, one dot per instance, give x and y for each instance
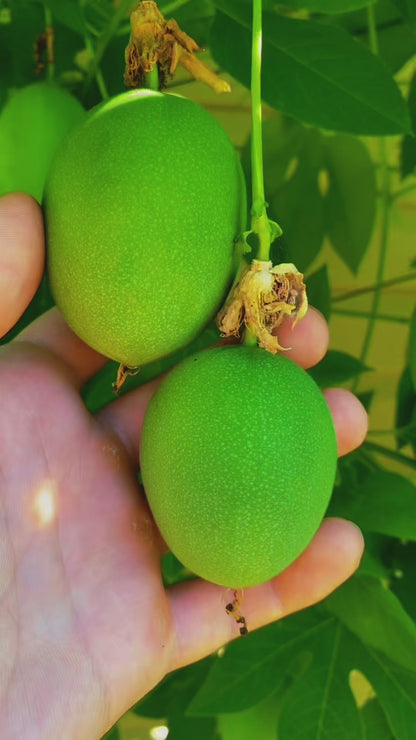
(238, 459)
(32, 125)
(142, 205)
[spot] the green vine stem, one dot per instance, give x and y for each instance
(259, 221)
(173, 6)
(385, 216)
(371, 288)
(98, 74)
(265, 230)
(400, 192)
(392, 454)
(151, 79)
(103, 40)
(365, 315)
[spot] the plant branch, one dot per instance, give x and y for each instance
(403, 191)
(372, 288)
(366, 315)
(392, 454)
(104, 39)
(385, 218)
(259, 220)
(171, 7)
(98, 74)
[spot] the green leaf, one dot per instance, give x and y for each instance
(373, 613)
(403, 575)
(407, 9)
(350, 203)
(328, 6)
(315, 656)
(17, 66)
(372, 562)
(41, 302)
(374, 721)
(194, 18)
(173, 571)
(282, 141)
(98, 391)
(112, 734)
(412, 349)
(190, 728)
(408, 143)
(32, 125)
(337, 367)
(407, 155)
(396, 40)
(385, 503)
(172, 696)
(395, 688)
(321, 700)
(259, 721)
(313, 72)
(319, 292)
(405, 421)
(69, 13)
(252, 669)
(298, 206)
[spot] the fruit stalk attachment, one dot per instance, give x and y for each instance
(124, 372)
(157, 47)
(262, 295)
(261, 299)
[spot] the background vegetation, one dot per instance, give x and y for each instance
(339, 87)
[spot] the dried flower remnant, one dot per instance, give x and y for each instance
(44, 50)
(155, 41)
(233, 610)
(123, 372)
(261, 299)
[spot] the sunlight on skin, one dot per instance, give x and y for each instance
(44, 503)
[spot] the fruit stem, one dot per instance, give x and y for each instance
(260, 224)
(151, 79)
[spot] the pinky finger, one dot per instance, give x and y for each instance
(198, 607)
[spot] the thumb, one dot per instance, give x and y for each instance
(22, 255)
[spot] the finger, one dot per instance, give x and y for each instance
(22, 255)
(126, 416)
(51, 332)
(308, 340)
(198, 607)
(350, 419)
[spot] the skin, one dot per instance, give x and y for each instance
(86, 626)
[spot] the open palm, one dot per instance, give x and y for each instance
(86, 625)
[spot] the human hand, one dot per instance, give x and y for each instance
(87, 627)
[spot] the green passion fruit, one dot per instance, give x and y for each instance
(238, 460)
(142, 205)
(32, 125)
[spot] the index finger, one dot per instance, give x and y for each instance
(22, 255)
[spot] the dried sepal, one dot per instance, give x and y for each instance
(123, 372)
(155, 41)
(261, 299)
